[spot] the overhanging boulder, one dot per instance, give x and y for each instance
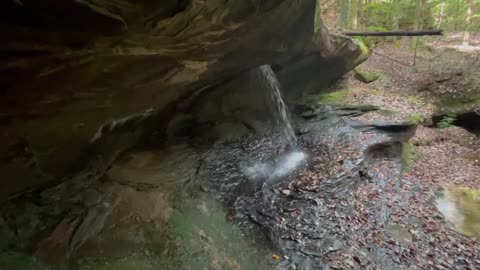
(87, 79)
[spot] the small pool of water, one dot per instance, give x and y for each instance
(461, 206)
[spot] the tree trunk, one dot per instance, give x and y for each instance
(354, 14)
(344, 14)
(423, 14)
(418, 23)
(440, 15)
(457, 14)
(360, 15)
(395, 14)
(468, 18)
(395, 6)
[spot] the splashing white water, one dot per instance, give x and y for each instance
(281, 115)
(285, 165)
(288, 164)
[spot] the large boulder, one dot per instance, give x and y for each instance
(83, 80)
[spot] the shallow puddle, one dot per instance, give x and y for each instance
(461, 206)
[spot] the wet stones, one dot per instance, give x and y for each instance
(400, 233)
(366, 76)
(144, 170)
(230, 131)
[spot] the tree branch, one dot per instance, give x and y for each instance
(396, 33)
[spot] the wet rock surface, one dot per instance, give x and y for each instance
(340, 204)
(315, 218)
(287, 198)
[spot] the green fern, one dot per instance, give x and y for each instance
(447, 121)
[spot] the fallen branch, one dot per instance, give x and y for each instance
(396, 33)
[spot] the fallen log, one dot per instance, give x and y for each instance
(396, 33)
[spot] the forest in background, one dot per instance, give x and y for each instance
(390, 15)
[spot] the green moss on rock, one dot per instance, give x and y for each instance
(409, 155)
(416, 118)
(365, 76)
(332, 98)
(365, 52)
(457, 105)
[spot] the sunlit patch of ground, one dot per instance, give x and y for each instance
(461, 206)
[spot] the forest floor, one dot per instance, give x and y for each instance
(443, 164)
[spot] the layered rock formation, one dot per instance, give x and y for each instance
(83, 80)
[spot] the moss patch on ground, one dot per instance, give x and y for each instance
(416, 118)
(454, 104)
(332, 98)
(385, 112)
(414, 99)
(366, 76)
(409, 155)
(200, 237)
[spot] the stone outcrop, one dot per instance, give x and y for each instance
(83, 80)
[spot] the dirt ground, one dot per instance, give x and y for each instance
(439, 159)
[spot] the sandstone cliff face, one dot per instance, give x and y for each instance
(83, 80)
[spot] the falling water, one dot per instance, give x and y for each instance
(281, 111)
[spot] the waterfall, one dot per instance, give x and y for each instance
(281, 115)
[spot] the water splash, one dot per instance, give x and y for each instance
(281, 115)
(286, 164)
(289, 163)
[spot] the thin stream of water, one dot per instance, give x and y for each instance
(281, 114)
(282, 119)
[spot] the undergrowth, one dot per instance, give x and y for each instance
(416, 118)
(447, 121)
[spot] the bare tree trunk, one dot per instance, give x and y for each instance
(457, 14)
(416, 23)
(343, 21)
(360, 14)
(422, 14)
(354, 14)
(395, 14)
(419, 19)
(468, 18)
(440, 15)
